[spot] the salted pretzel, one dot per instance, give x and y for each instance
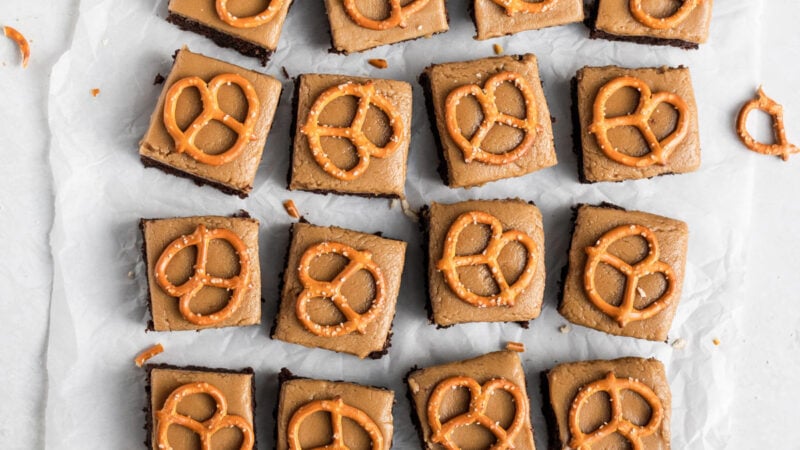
(338, 410)
(660, 151)
(450, 262)
(491, 116)
(201, 238)
(663, 23)
(782, 147)
(626, 312)
(614, 386)
(365, 149)
(209, 94)
(22, 43)
(332, 290)
(257, 20)
(480, 395)
(168, 416)
(398, 15)
(521, 6)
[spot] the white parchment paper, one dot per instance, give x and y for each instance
(98, 313)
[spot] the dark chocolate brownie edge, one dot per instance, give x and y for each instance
(149, 162)
(415, 419)
(221, 39)
(148, 390)
(282, 277)
(425, 81)
(594, 33)
(553, 440)
(293, 127)
(149, 299)
(577, 132)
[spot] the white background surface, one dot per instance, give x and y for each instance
(90, 184)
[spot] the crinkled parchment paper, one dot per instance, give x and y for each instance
(98, 315)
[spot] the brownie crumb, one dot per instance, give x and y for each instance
(159, 79)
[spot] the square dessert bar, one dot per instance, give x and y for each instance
(494, 18)
(217, 141)
(251, 27)
(337, 149)
(681, 24)
(309, 410)
(579, 397)
(225, 293)
(453, 390)
(474, 248)
(178, 395)
(625, 271)
(490, 118)
(340, 290)
(364, 24)
(616, 139)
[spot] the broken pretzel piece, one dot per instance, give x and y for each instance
(782, 147)
(24, 47)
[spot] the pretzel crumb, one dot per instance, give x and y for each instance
(378, 63)
(564, 329)
(21, 42)
(142, 357)
(716, 342)
(408, 211)
(131, 274)
(291, 209)
(95, 92)
(518, 347)
(498, 49)
(679, 344)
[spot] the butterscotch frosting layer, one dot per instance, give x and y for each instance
(444, 78)
(222, 262)
(384, 176)
(596, 165)
(565, 381)
(349, 37)
(447, 307)
(237, 388)
(501, 408)
(492, 21)
(615, 17)
(359, 290)
(205, 12)
(591, 223)
(215, 138)
(316, 430)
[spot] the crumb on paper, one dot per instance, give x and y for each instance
(413, 385)
(105, 42)
(378, 63)
(95, 92)
(564, 329)
(142, 357)
(22, 43)
(291, 209)
(716, 342)
(641, 292)
(518, 347)
(679, 344)
(408, 211)
(131, 274)
(159, 79)
(285, 72)
(498, 49)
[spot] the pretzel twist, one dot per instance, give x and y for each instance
(338, 410)
(491, 116)
(782, 147)
(365, 149)
(618, 423)
(254, 21)
(626, 312)
(478, 404)
(209, 94)
(659, 151)
(22, 43)
(498, 240)
(521, 6)
(663, 23)
(332, 290)
(398, 15)
(168, 415)
(201, 238)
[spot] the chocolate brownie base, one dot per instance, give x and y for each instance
(148, 426)
(222, 39)
(148, 162)
(594, 33)
(549, 415)
(425, 81)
